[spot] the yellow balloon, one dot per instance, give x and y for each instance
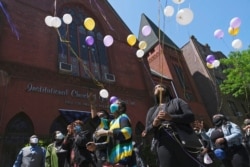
(89, 23)
(131, 39)
(210, 65)
(142, 45)
(233, 31)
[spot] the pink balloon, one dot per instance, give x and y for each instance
(218, 33)
(146, 30)
(235, 22)
(89, 40)
(108, 40)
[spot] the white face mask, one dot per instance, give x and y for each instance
(34, 140)
(59, 136)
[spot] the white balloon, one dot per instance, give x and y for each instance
(169, 11)
(140, 53)
(104, 93)
(184, 16)
(67, 18)
(237, 44)
(216, 63)
(108, 40)
(56, 22)
(48, 20)
(178, 1)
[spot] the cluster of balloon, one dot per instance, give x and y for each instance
(212, 62)
(56, 22)
(233, 30)
(104, 93)
(88, 23)
(146, 31)
(184, 16)
(113, 105)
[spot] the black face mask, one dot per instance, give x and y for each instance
(217, 121)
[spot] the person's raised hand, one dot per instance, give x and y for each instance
(164, 116)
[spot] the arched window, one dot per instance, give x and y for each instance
(93, 60)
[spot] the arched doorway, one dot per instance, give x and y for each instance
(17, 133)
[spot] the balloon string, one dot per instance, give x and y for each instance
(161, 53)
(55, 8)
(66, 42)
(12, 26)
(103, 15)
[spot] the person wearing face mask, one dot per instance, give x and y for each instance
(163, 120)
(80, 156)
(32, 155)
(56, 156)
(226, 142)
(119, 138)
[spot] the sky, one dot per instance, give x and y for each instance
(208, 16)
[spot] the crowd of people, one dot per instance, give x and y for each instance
(178, 140)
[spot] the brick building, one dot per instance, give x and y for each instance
(207, 81)
(47, 72)
(167, 63)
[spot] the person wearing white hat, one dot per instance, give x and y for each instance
(32, 155)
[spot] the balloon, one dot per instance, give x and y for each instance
(114, 107)
(169, 11)
(48, 20)
(89, 40)
(178, 1)
(209, 65)
(140, 53)
(89, 24)
(146, 30)
(235, 22)
(56, 22)
(184, 16)
(67, 18)
(131, 39)
(218, 34)
(237, 44)
(142, 45)
(108, 40)
(113, 99)
(104, 93)
(233, 31)
(216, 63)
(210, 59)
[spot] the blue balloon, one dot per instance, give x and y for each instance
(113, 108)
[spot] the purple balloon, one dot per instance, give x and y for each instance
(218, 33)
(113, 99)
(146, 30)
(89, 40)
(210, 59)
(235, 22)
